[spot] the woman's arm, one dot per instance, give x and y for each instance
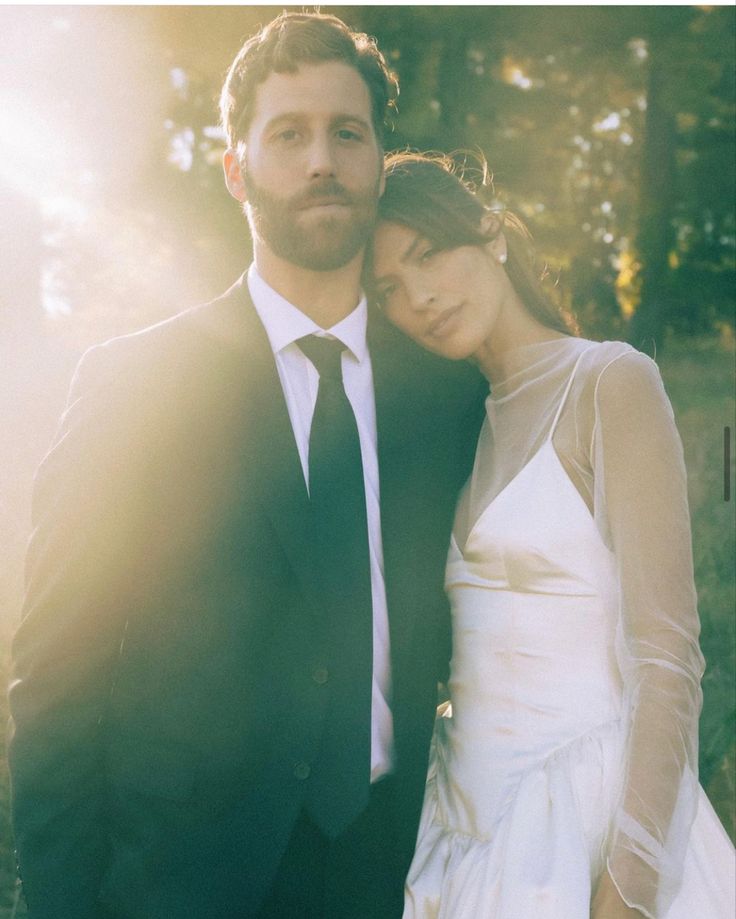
(641, 508)
(608, 904)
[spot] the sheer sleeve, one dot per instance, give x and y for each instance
(640, 501)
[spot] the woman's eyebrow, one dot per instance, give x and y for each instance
(407, 256)
(412, 248)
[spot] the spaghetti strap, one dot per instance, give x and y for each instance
(565, 394)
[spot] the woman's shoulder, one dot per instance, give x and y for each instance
(616, 361)
(614, 376)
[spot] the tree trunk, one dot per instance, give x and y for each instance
(656, 197)
(452, 90)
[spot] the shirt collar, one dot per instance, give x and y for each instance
(285, 323)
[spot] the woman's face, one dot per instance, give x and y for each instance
(447, 300)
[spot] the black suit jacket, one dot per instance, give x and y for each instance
(164, 694)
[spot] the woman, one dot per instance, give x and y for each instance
(563, 785)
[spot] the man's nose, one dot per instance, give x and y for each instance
(322, 162)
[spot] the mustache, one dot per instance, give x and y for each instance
(329, 188)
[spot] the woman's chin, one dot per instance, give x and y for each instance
(448, 348)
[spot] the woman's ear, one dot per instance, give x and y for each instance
(234, 175)
(500, 249)
(491, 224)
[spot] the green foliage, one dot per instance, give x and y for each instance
(617, 172)
(698, 377)
(561, 100)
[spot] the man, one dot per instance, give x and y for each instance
(226, 672)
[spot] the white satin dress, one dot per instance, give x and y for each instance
(527, 766)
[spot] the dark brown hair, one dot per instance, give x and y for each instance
(446, 202)
(292, 39)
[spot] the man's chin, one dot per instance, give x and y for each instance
(321, 260)
(326, 246)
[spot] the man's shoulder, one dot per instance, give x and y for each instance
(176, 344)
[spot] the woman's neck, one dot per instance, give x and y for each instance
(514, 328)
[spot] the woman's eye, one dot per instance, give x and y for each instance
(287, 135)
(426, 254)
(383, 296)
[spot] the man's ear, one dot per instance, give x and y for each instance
(234, 175)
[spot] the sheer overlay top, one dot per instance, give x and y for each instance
(617, 441)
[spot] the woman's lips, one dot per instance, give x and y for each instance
(442, 325)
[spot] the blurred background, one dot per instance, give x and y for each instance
(609, 129)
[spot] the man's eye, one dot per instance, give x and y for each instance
(287, 135)
(349, 134)
(426, 254)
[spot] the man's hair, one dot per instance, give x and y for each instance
(292, 39)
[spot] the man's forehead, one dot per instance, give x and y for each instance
(320, 90)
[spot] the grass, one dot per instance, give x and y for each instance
(7, 862)
(699, 378)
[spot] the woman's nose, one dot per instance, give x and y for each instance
(421, 295)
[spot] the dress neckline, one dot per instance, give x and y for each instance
(546, 447)
(546, 443)
(530, 362)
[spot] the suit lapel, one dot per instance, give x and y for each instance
(397, 416)
(428, 413)
(269, 459)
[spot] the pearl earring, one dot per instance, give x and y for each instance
(503, 258)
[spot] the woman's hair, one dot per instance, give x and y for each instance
(440, 199)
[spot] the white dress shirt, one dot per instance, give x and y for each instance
(284, 325)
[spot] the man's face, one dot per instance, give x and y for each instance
(312, 171)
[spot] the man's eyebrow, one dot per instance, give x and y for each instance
(341, 118)
(356, 119)
(284, 116)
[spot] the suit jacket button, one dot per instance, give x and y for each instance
(320, 675)
(301, 771)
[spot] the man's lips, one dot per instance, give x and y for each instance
(329, 201)
(440, 326)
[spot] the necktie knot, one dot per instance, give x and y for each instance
(325, 354)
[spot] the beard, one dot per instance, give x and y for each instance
(322, 243)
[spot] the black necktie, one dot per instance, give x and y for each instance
(339, 783)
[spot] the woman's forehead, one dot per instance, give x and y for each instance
(393, 242)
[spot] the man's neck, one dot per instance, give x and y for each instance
(325, 296)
